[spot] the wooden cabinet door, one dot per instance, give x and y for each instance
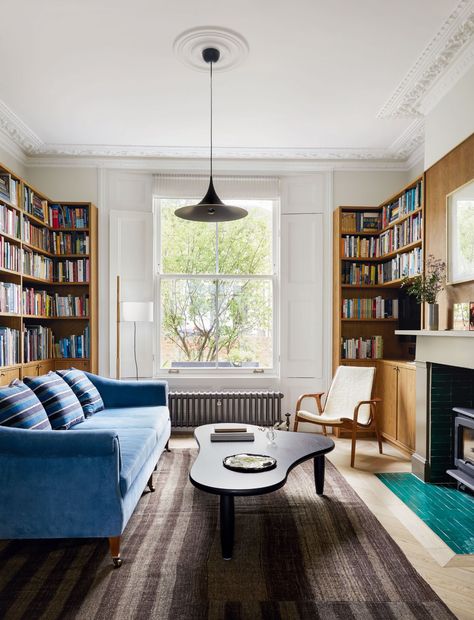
(406, 407)
(6, 376)
(386, 383)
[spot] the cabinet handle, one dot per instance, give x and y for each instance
(2, 374)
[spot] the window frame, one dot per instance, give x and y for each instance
(274, 278)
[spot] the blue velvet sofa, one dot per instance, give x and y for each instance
(85, 481)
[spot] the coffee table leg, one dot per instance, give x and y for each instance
(227, 525)
(319, 464)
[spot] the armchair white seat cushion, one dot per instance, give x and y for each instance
(315, 417)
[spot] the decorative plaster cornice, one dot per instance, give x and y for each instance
(327, 154)
(17, 130)
(410, 139)
(456, 32)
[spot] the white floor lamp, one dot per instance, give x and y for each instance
(136, 312)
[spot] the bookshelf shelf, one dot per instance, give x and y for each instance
(60, 340)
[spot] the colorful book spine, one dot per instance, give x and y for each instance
(37, 265)
(75, 270)
(9, 346)
(10, 255)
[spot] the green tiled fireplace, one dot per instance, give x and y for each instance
(450, 387)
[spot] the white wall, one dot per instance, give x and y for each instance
(366, 188)
(451, 121)
(63, 183)
(11, 162)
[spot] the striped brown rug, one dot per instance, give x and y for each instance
(296, 556)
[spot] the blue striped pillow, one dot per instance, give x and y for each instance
(60, 402)
(20, 408)
(84, 389)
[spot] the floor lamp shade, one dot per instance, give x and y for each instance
(136, 311)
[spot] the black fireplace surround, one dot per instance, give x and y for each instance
(463, 448)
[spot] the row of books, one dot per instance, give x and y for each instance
(35, 205)
(409, 201)
(39, 266)
(10, 297)
(77, 346)
(362, 348)
(43, 303)
(9, 221)
(360, 221)
(10, 255)
(66, 216)
(403, 234)
(360, 247)
(375, 308)
(69, 243)
(55, 242)
(9, 346)
(8, 188)
(39, 343)
(74, 270)
(403, 265)
(36, 235)
(362, 274)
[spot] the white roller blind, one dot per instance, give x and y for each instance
(195, 186)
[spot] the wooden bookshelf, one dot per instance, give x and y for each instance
(390, 247)
(30, 261)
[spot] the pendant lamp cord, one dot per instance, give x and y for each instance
(211, 119)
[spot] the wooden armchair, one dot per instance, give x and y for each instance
(349, 404)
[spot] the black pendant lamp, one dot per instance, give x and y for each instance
(211, 208)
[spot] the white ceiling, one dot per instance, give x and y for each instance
(103, 72)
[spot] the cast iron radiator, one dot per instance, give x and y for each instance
(190, 409)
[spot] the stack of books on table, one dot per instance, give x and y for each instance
(234, 433)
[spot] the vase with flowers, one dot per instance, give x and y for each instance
(426, 286)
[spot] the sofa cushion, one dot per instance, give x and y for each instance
(129, 417)
(136, 446)
(84, 389)
(21, 408)
(60, 402)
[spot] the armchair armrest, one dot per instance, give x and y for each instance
(317, 398)
(116, 393)
(372, 403)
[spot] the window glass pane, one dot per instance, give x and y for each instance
(245, 323)
(188, 323)
(186, 247)
(245, 246)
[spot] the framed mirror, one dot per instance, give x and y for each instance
(460, 234)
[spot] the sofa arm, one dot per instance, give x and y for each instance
(116, 393)
(60, 484)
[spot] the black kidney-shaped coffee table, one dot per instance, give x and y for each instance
(209, 474)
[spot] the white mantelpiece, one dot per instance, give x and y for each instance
(450, 347)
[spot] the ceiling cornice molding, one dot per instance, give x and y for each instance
(17, 130)
(193, 165)
(435, 60)
(336, 154)
(410, 140)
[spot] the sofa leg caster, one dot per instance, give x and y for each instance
(114, 546)
(150, 484)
